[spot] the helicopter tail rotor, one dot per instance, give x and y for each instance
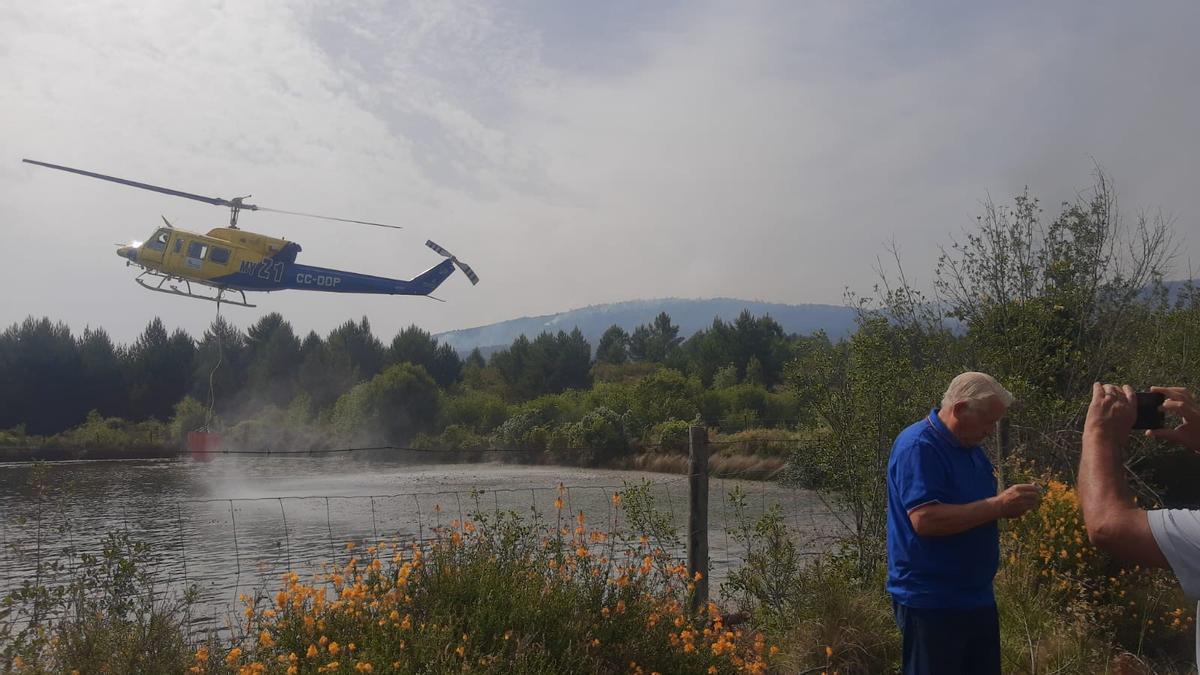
(466, 269)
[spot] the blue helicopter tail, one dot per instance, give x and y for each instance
(427, 282)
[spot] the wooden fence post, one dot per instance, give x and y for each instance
(1005, 449)
(697, 541)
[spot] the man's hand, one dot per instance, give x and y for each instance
(1018, 500)
(1112, 412)
(1180, 402)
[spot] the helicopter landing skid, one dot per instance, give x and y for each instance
(174, 289)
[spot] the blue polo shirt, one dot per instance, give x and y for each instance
(953, 572)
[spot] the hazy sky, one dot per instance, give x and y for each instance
(573, 153)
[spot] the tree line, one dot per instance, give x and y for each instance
(50, 379)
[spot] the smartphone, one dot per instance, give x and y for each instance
(1148, 414)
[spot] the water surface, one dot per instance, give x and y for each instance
(232, 524)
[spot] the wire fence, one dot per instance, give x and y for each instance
(228, 547)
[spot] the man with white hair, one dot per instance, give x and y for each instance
(942, 539)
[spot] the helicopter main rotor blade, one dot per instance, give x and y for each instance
(215, 201)
(313, 215)
(235, 204)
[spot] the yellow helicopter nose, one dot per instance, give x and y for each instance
(129, 252)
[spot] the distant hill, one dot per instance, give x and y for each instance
(689, 315)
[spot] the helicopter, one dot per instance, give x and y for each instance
(232, 260)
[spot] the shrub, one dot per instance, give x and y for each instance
(190, 415)
(518, 433)
(1143, 610)
(453, 438)
(111, 432)
(670, 436)
(475, 410)
(492, 595)
(665, 395)
(599, 436)
(392, 407)
(106, 617)
(827, 616)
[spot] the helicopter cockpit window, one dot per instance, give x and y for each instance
(219, 255)
(159, 241)
(178, 245)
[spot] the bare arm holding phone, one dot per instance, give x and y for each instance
(1114, 522)
(1179, 402)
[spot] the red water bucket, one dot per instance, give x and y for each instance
(203, 441)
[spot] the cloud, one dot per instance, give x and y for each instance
(612, 151)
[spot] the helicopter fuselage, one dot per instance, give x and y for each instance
(233, 259)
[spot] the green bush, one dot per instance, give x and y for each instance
(104, 618)
(479, 411)
(598, 437)
(672, 436)
(392, 407)
(517, 433)
(492, 595)
(190, 415)
(112, 433)
(663, 396)
(17, 436)
(616, 396)
(453, 438)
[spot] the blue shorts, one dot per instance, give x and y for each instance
(949, 641)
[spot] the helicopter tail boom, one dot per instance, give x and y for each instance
(305, 277)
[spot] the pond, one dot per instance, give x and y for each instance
(231, 524)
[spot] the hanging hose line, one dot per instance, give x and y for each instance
(212, 398)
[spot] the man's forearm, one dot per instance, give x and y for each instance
(942, 520)
(1114, 522)
(1103, 491)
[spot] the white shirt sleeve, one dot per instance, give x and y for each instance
(1177, 532)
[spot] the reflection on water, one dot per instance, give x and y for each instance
(232, 524)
